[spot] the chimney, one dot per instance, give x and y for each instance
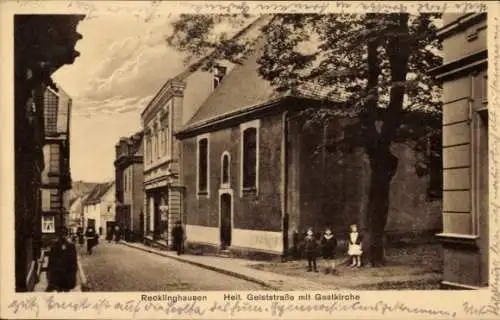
(219, 73)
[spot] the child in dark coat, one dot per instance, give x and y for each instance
(310, 250)
(328, 247)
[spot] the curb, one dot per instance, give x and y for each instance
(205, 266)
(84, 286)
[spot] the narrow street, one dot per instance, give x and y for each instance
(115, 267)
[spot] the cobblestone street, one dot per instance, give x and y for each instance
(115, 267)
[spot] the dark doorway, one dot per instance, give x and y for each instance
(225, 220)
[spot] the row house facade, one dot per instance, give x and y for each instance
(464, 75)
(254, 179)
(75, 217)
(56, 178)
(42, 44)
(99, 208)
(129, 177)
(174, 104)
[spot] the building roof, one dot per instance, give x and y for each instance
(98, 192)
(244, 89)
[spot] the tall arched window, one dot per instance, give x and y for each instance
(250, 158)
(203, 165)
(225, 169)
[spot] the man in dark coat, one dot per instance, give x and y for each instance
(62, 267)
(118, 233)
(92, 237)
(178, 236)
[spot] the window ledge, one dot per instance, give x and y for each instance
(203, 193)
(249, 191)
(458, 239)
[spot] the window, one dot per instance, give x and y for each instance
(109, 208)
(54, 162)
(249, 158)
(162, 143)
(153, 147)
(91, 223)
(51, 103)
(149, 150)
(485, 89)
(48, 224)
(435, 187)
(45, 200)
(165, 141)
(225, 169)
(51, 200)
(249, 150)
(157, 141)
(202, 176)
(124, 181)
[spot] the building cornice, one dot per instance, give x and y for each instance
(125, 161)
(460, 66)
(460, 24)
(275, 105)
(171, 88)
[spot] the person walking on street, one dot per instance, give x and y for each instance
(63, 265)
(117, 233)
(109, 234)
(178, 236)
(91, 236)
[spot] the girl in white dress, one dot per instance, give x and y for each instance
(355, 251)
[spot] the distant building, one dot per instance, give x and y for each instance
(465, 149)
(56, 178)
(129, 177)
(99, 207)
(75, 217)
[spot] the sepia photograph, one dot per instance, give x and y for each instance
(250, 153)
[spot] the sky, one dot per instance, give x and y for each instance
(123, 62)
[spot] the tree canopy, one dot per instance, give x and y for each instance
(374, 64)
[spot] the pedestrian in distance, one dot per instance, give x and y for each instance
(117, 234)
(328, 247)
(63, 265)
(178, 237)
(355, 249)
(311, 250)
(109, 234)
(91, 236)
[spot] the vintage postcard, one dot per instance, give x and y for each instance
(248, 159)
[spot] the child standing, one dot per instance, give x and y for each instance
(355, 251)
(328, 247)
(310, 248)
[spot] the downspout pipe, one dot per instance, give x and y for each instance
(284, 184)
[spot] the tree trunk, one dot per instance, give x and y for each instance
(383, 167)
(382, 162)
